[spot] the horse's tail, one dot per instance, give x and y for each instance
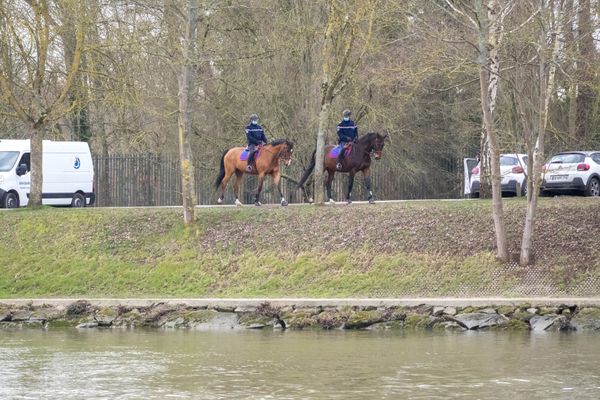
(221, 171)
(307, 171)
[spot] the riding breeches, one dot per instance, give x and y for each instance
(251, 152)
(342, 151)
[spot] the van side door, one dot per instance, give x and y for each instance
(468, 165)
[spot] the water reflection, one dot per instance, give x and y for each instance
(118, 364)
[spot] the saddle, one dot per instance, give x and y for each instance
(335, 152)
(244, 154)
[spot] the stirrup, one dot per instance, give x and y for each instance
(338, 166)
(249, 168)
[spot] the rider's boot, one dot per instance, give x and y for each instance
(338, 165)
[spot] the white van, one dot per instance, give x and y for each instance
(67, 169)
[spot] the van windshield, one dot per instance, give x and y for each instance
(7, 160)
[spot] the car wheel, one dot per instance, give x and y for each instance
(78, 200)
(11, 201)
(524, 189)
(593, 188)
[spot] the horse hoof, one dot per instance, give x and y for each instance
(348, 201)
(220, 200)
(331, 201)
(257, 203)
(371, 201)
(284, 203)
(311, 200)
(238, 203)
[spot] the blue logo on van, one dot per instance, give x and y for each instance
(77, 163)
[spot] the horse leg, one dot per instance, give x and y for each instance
(330, 175)
(350, 185)
(276, 180)
(236, 187)
(223, 185)
(261, 178)
(367, 176)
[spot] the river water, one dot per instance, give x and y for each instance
(151, 364)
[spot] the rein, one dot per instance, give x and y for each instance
(277, 154)
(368, 148)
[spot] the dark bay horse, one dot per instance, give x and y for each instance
(359, 159)
(266, 163)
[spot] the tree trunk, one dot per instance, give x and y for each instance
(497, 210)
(485, 155)
(185, 121)
(545, 93)
(571, 68)
(103, 179)
(326, 99)
(320, 152)
(534, 175)
(485, 166)
(36, 134)
(487, 41)
(585, 71)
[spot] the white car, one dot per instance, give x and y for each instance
(572, 171)
(513, 168)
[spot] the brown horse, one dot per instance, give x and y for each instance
(265, 163)
(359, 159)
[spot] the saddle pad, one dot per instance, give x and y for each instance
(335, 152)
(244, 154)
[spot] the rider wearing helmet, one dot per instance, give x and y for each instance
(347, 132)
(256, 136)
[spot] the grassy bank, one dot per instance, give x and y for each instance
(386, 250)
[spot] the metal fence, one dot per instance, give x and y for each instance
(154, 180)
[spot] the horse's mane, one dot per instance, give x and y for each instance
(367, 137)
(282, 141)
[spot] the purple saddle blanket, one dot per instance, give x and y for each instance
(244, 154)
(335, 152)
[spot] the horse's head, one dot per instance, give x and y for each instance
(377, 141)
(286, 150)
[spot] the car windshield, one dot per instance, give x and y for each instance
(570, 158)
(7, 160)
(508, 161)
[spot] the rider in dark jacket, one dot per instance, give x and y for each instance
(256, 136)
(347, 132)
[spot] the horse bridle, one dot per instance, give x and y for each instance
(287, 160)
(371, 149)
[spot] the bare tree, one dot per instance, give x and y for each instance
(186, 82)
(487, 20)
(536, 103)
(339, 62)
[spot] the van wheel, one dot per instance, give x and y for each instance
(78, 200)
(11, 201)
